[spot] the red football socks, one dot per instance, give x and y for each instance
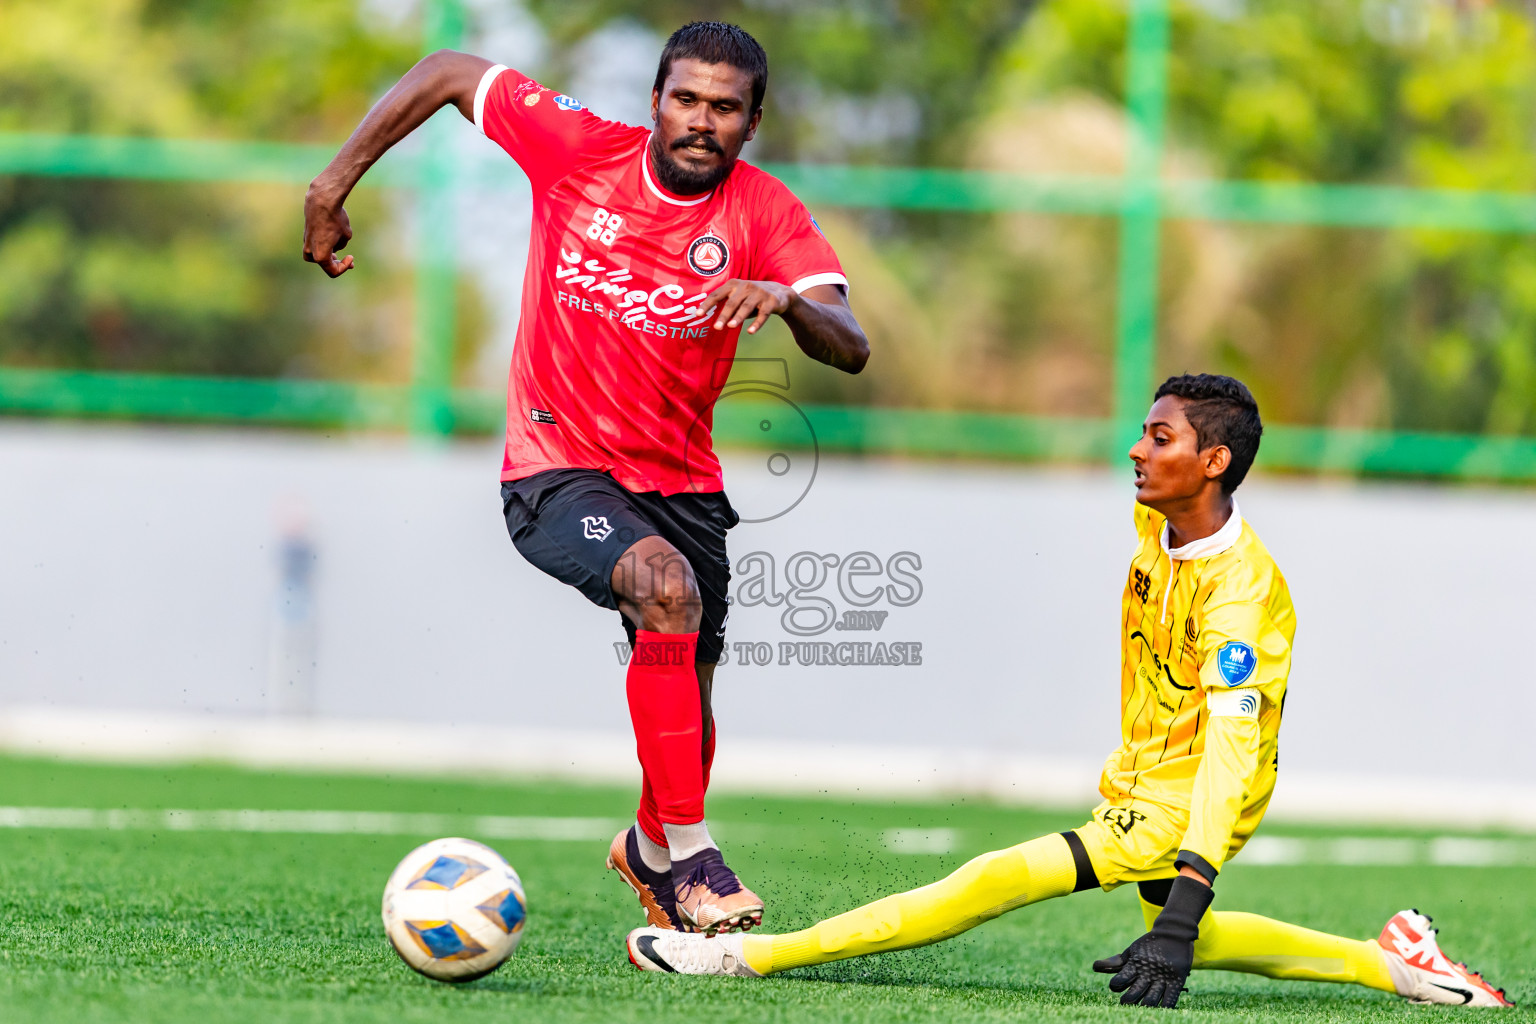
(709, 751)
(663, 695)
(648, 815)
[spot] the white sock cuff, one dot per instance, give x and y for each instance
(652, 853)
(684, 841)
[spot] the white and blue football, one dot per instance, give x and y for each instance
(454, 909)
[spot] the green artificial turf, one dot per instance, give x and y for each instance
(265, 928)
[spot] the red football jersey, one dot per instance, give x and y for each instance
(615, 367)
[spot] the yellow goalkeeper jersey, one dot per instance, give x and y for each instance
(1205, 652)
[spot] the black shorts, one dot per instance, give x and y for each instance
(575, 523)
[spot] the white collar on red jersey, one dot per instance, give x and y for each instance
(1207, 547)
(657, 190)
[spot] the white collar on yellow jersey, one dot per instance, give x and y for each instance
(1207, 547)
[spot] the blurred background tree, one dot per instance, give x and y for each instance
(184, 278)
(1006, 312)
(1015, 312)
(1428, 330)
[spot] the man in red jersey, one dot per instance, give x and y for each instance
(651, 249)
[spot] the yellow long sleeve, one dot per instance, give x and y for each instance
(1233, 756)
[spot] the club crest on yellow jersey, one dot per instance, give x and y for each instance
(1236, 662)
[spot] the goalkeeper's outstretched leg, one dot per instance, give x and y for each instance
(978, 891)
(1406, 958)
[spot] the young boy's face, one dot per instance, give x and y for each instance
(1170, 466)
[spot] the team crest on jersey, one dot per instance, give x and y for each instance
(1236, 662)
(565, 102)
(708, 254)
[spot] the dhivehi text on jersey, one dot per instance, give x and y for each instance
(628, 304)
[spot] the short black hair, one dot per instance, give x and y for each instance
(715, 42)
(1223, 412)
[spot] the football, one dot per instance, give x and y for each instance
(454, 909)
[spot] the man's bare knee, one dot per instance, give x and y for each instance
(656, 587)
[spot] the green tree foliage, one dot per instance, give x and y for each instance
(1408, 329)
(202, 279)
(1411, 329)
(931, 52)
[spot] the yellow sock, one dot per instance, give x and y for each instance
(992, 884)
(1232, 941)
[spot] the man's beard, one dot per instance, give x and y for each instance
(679, 179)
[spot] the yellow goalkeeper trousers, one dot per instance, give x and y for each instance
(1041, 869)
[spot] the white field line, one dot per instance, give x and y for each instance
(1438, 851)
(1280, 851)
(746, 765)
(1261, 851)
(921, 840)
(316, 822)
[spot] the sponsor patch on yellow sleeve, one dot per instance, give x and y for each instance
(1234, 703)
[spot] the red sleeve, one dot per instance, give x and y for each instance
(791, 249)
(548, 134)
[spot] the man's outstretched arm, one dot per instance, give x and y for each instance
(820, 319)
(437, 80)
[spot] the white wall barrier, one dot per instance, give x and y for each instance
(904, 628)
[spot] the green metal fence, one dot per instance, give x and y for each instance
(1141, 199)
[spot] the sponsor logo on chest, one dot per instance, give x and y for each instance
(1190, 645)
(601, 283)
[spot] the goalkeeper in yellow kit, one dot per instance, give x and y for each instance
(1206, 631)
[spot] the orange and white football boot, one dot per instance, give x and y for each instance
(711, 898)
(1423, 974)
(653, 887)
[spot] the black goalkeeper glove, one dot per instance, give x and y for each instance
(1153, 969)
